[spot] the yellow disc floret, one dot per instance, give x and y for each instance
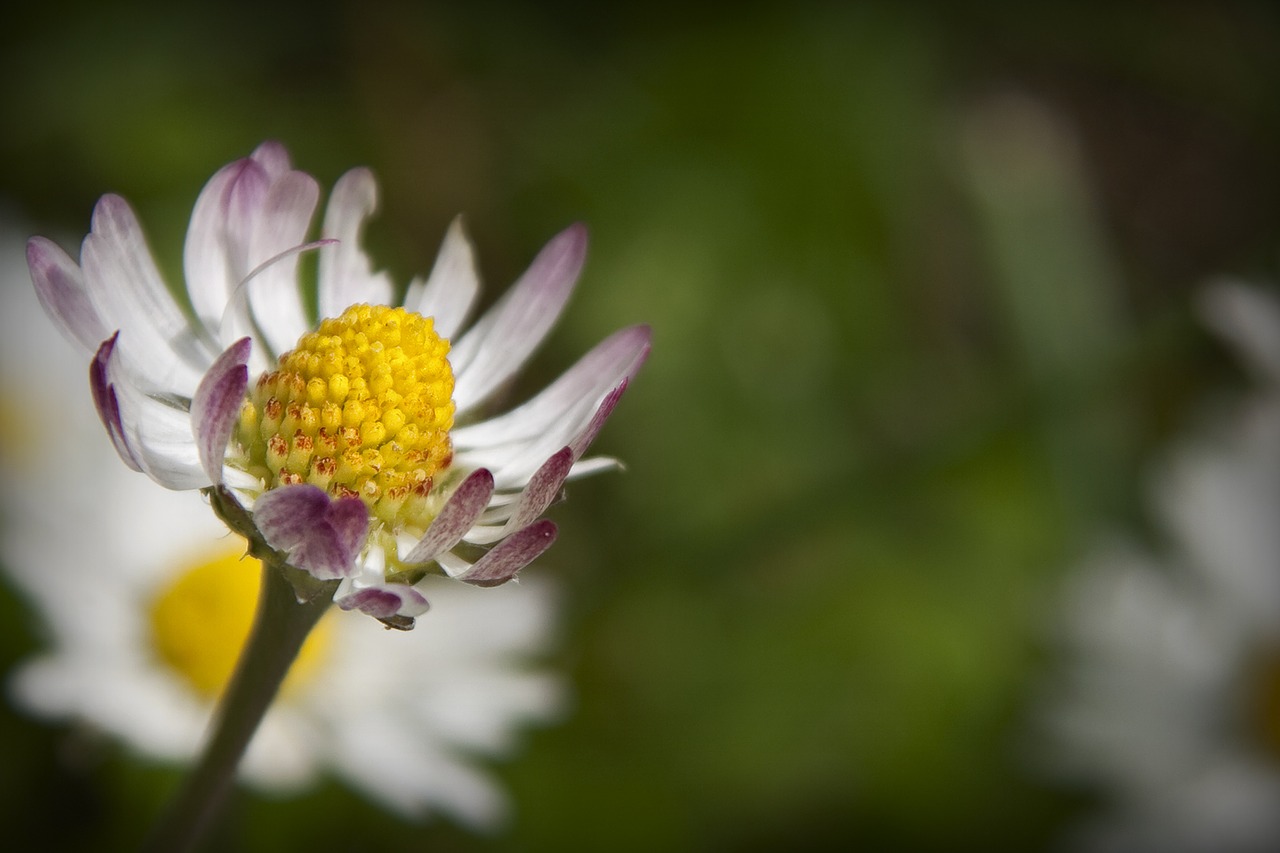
(199, 623)
(361, 407)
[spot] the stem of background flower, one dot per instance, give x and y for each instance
(280, 626)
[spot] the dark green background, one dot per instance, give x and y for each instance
(921, 280)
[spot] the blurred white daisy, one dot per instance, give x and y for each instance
(1170, 696)
(146, 602)
(349, 443)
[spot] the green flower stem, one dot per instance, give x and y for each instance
(282, 623)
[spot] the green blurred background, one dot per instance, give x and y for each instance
(921, 279)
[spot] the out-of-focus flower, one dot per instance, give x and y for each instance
(146, 600)
(332, 442)
(1170, 697)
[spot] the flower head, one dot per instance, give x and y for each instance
(1170, 697)
(144, 657)
(350, 445)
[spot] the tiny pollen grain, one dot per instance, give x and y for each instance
(360, 407)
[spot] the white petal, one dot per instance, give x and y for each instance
(127, 292)
(346, 274)
(504, 338)
(453, 286)
(616, 358)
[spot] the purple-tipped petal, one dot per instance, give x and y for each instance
(511, 555)
(216, 406)
(583, 440)
(616, 358)
(386, 601)
(216, 252)
(456, 518)
(60, 287)
(500, 343)
(273, 157)
(542, 489)
(515, 464)
(106, 402)
(322, 536)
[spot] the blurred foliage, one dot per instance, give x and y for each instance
(920, 278)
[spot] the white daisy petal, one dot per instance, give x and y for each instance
(614, 359)
(504, 338)
(273, 294)
(452, 287)
(346, 275)
(216, 254)
(127, 292)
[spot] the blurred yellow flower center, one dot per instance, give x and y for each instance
(362, 406)
(199, 624)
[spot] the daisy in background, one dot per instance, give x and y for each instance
(146, 599)
(1170, 696)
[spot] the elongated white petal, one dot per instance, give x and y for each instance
(504, 338)
(127, 292)
(161, 437)
(613, 360)
(216, 254)
(273, 294)
(452, 288)
(346, 274)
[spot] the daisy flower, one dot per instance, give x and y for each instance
(350, 447)
(1170, 698)
(146, 608)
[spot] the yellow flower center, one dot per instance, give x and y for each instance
(200, 621)
(362, 406)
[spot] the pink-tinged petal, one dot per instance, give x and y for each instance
(251, 211)
(60, 288)
(502, 341)
(457, 517)
(322, 536)
(216, 406)
(273, 157)
(543, 488)
(346, 274)
(452, 287)
(613, 360)
(385, 601)
(583, 440)
(108, 404)
(273, 293)
(514, 463)
(216, 254)
(126, 291)
(511, 555)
